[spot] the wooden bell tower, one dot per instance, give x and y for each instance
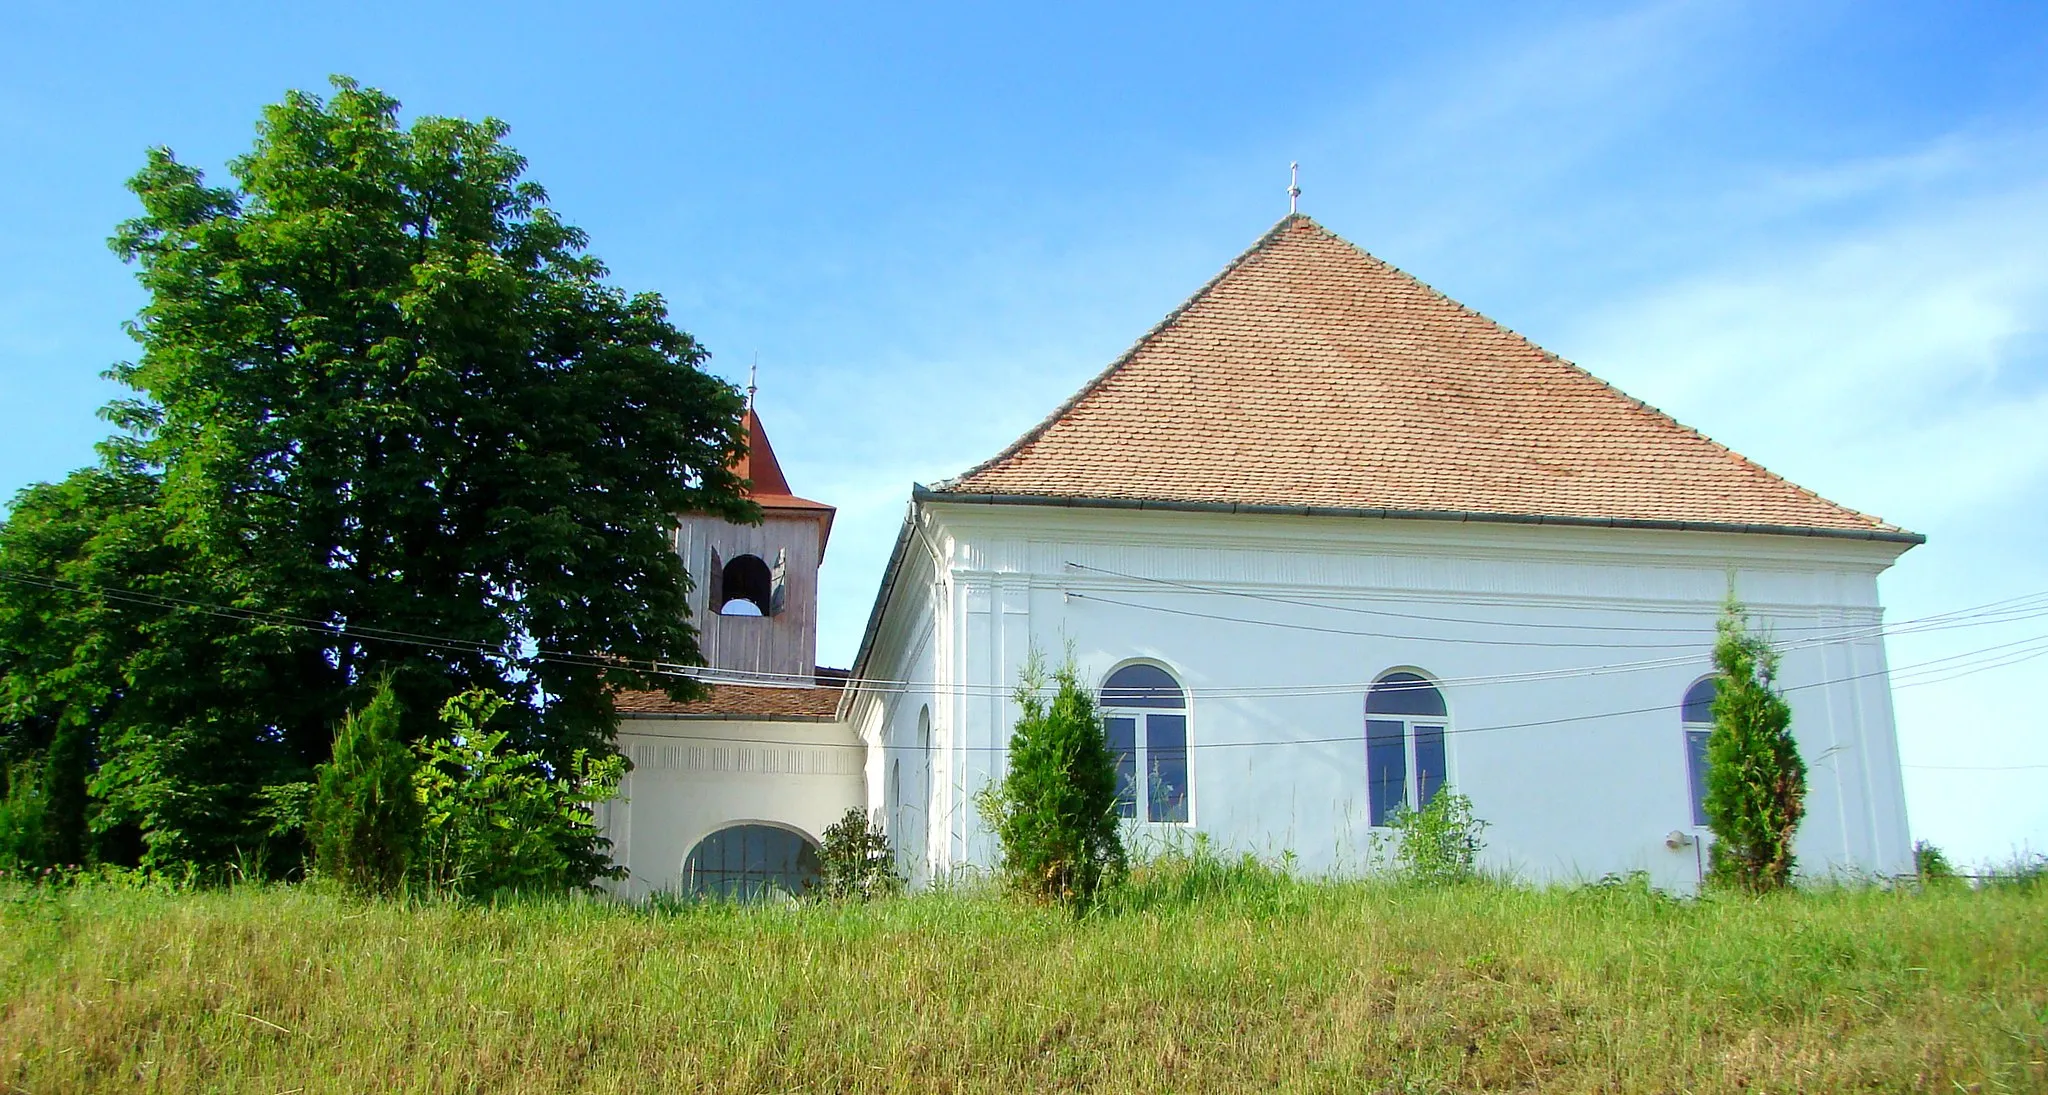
(755, 604)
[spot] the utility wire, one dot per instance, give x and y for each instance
(2040, 597)
(1359, 735)
(1901, 677)
(356, 632)
(2036, 646)
(1941, 622)
(1976, 767)
(708, 675)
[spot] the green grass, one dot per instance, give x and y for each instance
(1205, 978)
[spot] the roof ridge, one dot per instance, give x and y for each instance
(1639, 404)
(1157, 329)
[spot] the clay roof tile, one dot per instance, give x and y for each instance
(1310, 373)
(816, 701)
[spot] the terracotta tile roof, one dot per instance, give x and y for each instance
(816, 702)
(1311, 374)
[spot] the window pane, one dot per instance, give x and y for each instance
(749, 862)
(1696, 772)
(1699, 702)
(1142, 686)
(1123, 744)
(1386, 768)
(1404, 694)
(1166, 767)
(1430, 766)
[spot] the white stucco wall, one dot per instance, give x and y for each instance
(1579, 775)
(911, 782)
(694, 776)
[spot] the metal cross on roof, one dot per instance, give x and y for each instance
(1293, 188)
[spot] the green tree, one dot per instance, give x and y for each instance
(388, 419)
(1756, 781)
(364, 816)
(108, 633)
(1055, 810)
(392, 391)
(500, 821)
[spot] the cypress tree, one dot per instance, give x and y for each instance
(1756, 781)
(65, 769)
(1055, 812)
(365, 816)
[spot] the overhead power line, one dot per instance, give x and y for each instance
(1358, 736)
(1932, 671)
(1940, 622)
(1976, 767)
(2037, 600)
(709, 675)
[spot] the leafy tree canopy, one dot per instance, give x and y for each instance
(388, 419)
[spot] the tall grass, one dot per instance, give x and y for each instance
(1199, 974)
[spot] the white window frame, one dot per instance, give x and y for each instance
(1411, 790)
(1141, 745)
(1695, 782)
(1411, 776)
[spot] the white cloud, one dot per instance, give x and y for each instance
(1891, 367)
(1895, 364)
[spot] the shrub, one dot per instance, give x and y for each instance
(21, 818)
(2025, 873)
(1055, 811)
(856, 862)
(499, 822)
(363, 818)
(1931, 864)
(44, 810)
(1439, 843)
(1756, 781)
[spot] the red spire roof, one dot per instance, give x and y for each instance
(766, 485)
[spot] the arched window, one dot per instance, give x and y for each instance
(1404, 744)
(746, 587)
(1145, 714)
(751, 862)
(917, 828)
(1697, 716)
(893, 809)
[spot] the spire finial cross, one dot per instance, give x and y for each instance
(1293, 188)
(752, 372)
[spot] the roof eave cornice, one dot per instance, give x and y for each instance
(923, 494)
(883, 595)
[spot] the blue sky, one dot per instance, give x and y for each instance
(1818, 232)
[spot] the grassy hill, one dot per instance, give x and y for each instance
(1209, 979)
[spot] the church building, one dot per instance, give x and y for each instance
(1327, 542)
